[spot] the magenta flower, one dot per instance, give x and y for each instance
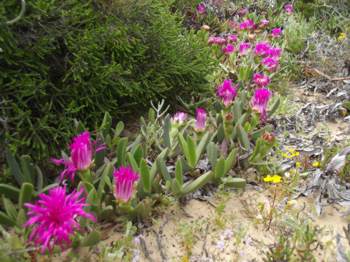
(179, 118)
(288, 8)
(244, 47)
(247, 25)
(216, 40)
(81, 156)
(227, 92)
(264, 22)
(261, 80)
(54, 218)
(275, 52)
(262, 49)
(201, 8)
(232, 38)
(270, 63)
(228, 49)
(276, 32)
(201, 118)
(124, 179)
(259, 102)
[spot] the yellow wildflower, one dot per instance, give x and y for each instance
(342, 37)
(316, 164)
(275, 179)
(297, 164)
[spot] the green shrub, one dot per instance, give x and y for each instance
(69, 59)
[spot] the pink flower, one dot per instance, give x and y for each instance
(54, 218)
(201, 118)
(201, 8)
(274, 52)
(270, 63)
(228, 49)
(261, 80)
(80, 156)
(288, 8)
(259, 102)
(262, 49)
(179, 118)
(232, 38)
(264, 22)
(243, 11)
(247, 25)
(124, 179)
(244, 47)
(227, 92)
(276, 32)
(216, 40)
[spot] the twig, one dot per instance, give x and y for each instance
(145, 250)
(204, 247)
(327, 76)
(158, 238)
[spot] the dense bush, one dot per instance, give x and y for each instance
(69, 59)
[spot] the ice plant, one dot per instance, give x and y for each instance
(228, 49)
(244, 47)
(54, 218)
(259, 102)
(262, 49)
(216, 40)
(261, 80)
(201, 8)
(232, 38)
(124, 179)
(276, 32)
(247, 25)
(288, 8)
(201, 118)
(81, 150)
(270, 63)
(227, 92)
(179, 118)
(274, 52)
(263, 23)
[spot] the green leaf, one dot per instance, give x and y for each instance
(91, 239)
(235, 182)
(219, 169)
(166, 131)
(192, 154)
(138, 154)
(107, 172)
(27, 168)
(21, 218)
(9, 191)
(121, 151)
(201, 146)
(243, 137)
(212, 152)
(230, 160)
(133, 162)
(39, 179)
(106, 124)
(274, 107)
(25, 194)
(179, 172)
(199, 182)
(9, 208)
(6, 220)
(163, 169)
(145, 177)
(237, 110)
(184, 147)
(14, 167)
(118, 130)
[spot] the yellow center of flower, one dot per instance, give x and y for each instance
(275, 179)
(342, 36)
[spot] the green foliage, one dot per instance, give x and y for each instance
(67, 60)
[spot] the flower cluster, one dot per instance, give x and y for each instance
(275, 179)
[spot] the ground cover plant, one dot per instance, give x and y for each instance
(219, 178)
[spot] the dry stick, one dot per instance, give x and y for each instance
(145, 250)
(204, 247)
(327, 76)
(158, 236)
